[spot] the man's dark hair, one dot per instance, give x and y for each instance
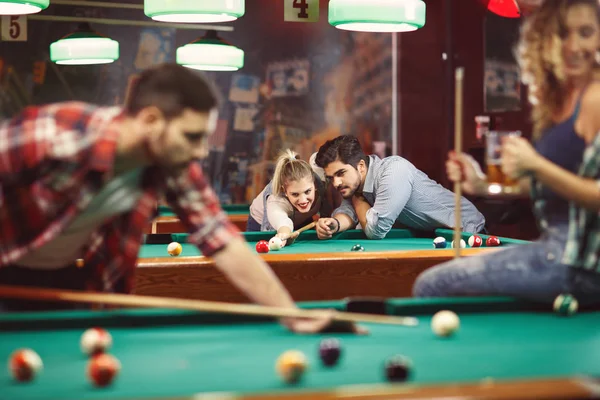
(171, 88)
(346, 149)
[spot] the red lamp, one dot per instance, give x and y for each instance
(503, 8)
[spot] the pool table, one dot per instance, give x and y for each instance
(504, 348)
(311, 269)
(168, 222)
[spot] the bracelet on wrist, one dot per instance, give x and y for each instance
(338, 225)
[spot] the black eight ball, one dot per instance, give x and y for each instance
(397, 369)
(357, 247)
(330, 351)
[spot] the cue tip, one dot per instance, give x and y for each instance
(460, 72)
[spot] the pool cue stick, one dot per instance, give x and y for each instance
(458, 114)
(296, 233)
(130, 300)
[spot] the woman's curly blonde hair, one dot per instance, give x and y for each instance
(539, 53)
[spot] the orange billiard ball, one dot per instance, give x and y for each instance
(291, 366)
(174, 249)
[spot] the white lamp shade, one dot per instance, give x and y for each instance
(377, 15)
(210, 57)
(194, 11)
(84, 51)
(22, 7)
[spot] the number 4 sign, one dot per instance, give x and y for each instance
(14, 28)
(301, 10)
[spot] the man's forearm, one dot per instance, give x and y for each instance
(345, 222)
(361, 208)
(252, 275)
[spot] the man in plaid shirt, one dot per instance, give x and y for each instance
(79, 182)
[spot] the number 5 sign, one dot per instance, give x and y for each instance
(14, 28)
(301, 10)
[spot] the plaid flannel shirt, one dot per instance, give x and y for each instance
(583, 243)
(55, 158)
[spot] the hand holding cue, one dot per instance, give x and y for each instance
(130, 300)
(296, 233)
(458, 113)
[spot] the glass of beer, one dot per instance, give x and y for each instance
(498, 182)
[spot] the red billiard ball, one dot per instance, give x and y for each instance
(95, 341)
(25, 365)
(330, 351)
(102, 369)
(492, 241)
(475, 241)
(262, 246)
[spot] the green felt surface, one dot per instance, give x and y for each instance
(176, 353)
(166, 211)
(396, 240)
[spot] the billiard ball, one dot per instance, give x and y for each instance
(262, 246)
(102, 369)
(291, 365)
(357, 247)
(330, 351)
(25, 364)
(397, 368)
(492, 241)
(475, 241)
(95, 341)
(445, 323)
(440, 242)
(463, 244)
(565, 304)
(174, 249)
(275, 243)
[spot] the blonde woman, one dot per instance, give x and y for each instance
(291, 200)
(559, 56)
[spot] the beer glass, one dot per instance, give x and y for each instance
(498, 182)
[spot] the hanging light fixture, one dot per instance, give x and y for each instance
(210, 53)
(22, 7)
(504, 8)
(377, 15)
(194, 11)
(84, 47)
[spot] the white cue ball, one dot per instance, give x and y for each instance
(445, 323)
(95, 341)
(275, 243)
(463, 244)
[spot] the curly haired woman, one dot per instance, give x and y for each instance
(559, 56)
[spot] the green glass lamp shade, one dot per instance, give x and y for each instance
(210, 53)
(377, 15)
(194, 11)
(84, 47)
(22, 7)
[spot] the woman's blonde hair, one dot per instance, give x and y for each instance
(539, 53)
(289, 168)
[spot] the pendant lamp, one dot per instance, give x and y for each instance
(194, 11)
(377, 15)
(504, 8)
(210, 53)
(84, 47)
(22, 7)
